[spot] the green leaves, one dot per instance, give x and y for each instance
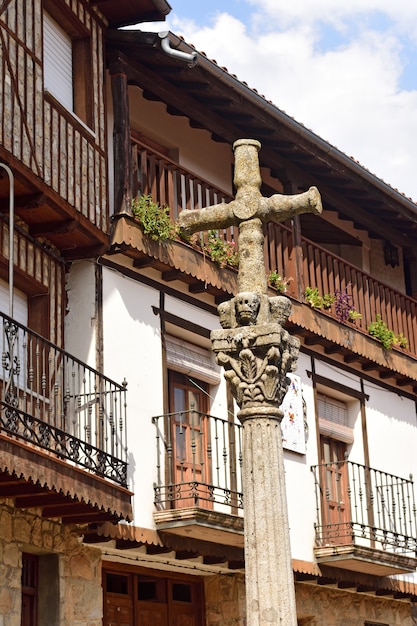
(379, 329)
(155, 220)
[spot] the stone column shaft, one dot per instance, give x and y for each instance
(270, 595)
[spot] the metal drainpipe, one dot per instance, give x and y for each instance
(11, 235)
(190, 58)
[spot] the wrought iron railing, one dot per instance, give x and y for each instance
(199, 460)
(358, 505)
(53, 401)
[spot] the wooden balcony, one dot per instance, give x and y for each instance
(198, 491)
(62, 430)
(286, 252)
(59, 160)
(366, 519)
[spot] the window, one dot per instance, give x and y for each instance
(57, 50)
(67, 61)
(333, 418)
(40, 590)
(11, 343)
(20, 303)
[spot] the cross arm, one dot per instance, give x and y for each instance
(279, 208)
(208, 218)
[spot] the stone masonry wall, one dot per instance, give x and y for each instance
(321, 606)
(79, 568)
(225, 600)
(316, 605)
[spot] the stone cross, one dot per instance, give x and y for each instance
(257, 353)
(248, 211)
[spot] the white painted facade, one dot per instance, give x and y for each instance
(132, 350)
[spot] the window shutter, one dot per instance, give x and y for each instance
(189, 359)
(332, 410)
(20, 303)
(333, 419)
(20, 315)
(57, 61)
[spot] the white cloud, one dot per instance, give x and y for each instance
(347, 91)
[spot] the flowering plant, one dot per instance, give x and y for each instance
(221, 251)
(344, 306)
(316, 301)
(279, 282)
(155, 219)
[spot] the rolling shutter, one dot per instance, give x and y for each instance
(193, 360)
(20, 303)
(333, 419)
(57, 62)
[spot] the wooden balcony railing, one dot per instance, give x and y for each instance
(306, 263)
(173, 186)
(38, 131)
(71, 159)
(53, 401)
(361, 506)
(329, 273)
(199, 461)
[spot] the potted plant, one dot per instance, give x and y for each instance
(154, 219)
(278, 282)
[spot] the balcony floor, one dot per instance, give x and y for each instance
(202, 524)
(365, 560)
(36, 479)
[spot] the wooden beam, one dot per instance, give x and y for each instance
(183, 555)
(123, 164)
(171, 275)
(197, 287)
(30, 201)
(333, 349)
(143, 262)
(84, 253)
(41, 499)
(46, 229)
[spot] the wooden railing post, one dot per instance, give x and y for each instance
(295, 269)
(123, 167)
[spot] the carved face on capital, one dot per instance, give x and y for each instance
(224, 314)
(247, 308)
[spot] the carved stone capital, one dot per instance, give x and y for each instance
(256, 360)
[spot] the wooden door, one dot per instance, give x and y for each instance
(151, 600)
(334, 492)
(118, 605)
(117, 612)
(190, 438)
(166, 602)
(30, 568)
(184, 603)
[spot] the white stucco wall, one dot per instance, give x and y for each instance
(132, 350)
(197, 151)
(80, 331)
(391, 423)
(392, 440)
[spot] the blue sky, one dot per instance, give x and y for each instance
(347, 71)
